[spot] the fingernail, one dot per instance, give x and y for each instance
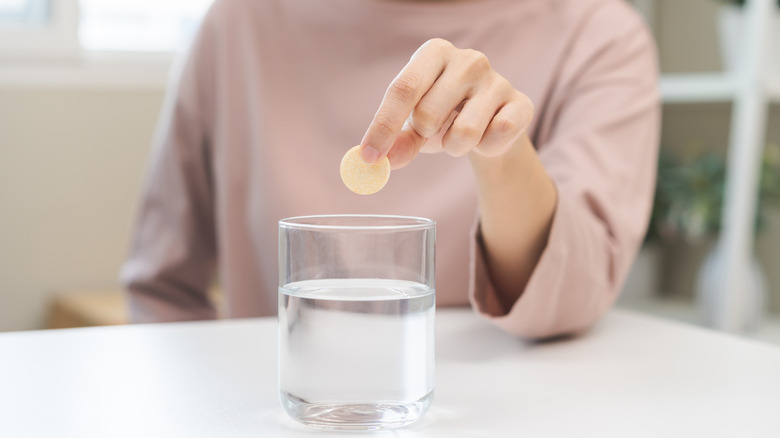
(369, 154)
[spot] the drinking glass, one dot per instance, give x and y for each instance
(356, 320)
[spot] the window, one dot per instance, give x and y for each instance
(34, 27)
(24, 12)
(139, 25)
(164, 26)
(94, 43)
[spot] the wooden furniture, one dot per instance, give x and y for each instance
(85, 308)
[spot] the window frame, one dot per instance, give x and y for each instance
(50, 56)
(30, 12)
(57, 38)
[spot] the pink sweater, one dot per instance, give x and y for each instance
(274, 92)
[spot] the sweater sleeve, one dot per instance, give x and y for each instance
(601, 151)
(173, 249)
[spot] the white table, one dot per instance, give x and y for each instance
(632, 376)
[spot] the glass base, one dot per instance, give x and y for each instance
(355, 416)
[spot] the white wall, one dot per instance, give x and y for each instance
(71, 163)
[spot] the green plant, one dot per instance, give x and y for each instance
(689, 195)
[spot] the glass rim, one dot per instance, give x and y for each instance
(408, 223)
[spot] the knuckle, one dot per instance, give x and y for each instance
(438, 44)
(466, 132)
(383, 124)
(425, 122)
(404, 87)
(505, 126)
(505, 88)
(528, 104)
(477, 61)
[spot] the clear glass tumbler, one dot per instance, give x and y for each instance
(356, 320)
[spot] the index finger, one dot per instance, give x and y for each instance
(403, 94)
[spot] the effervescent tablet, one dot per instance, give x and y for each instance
(361, 177)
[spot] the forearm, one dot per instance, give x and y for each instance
(517, 200)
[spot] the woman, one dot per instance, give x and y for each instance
(538, 121)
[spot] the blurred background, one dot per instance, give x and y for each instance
(82, 81)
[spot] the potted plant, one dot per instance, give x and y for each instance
(688, 207)
(732, 30)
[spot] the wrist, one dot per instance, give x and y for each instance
(517, 202)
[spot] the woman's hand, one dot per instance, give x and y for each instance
(451, 100)
(446, 99)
